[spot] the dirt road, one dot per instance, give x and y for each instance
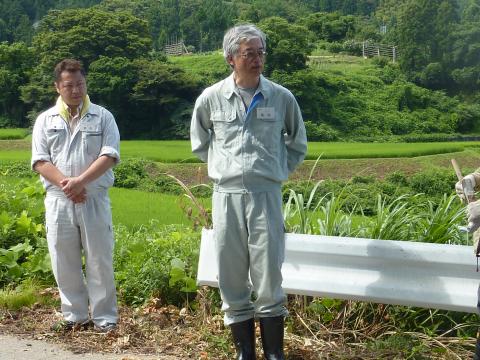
(14, 348)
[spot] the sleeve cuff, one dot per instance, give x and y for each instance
(111, 152)
(37, 159)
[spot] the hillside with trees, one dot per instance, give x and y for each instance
(431, 91)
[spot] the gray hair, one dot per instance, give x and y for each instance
(238, 34)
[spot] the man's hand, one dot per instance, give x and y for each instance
(473, 213)
(74, 189)
(80, 198)
(461, 190)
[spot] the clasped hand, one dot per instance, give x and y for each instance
(473, 212)
(74, 189)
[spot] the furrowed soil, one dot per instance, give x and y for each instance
(192, 174)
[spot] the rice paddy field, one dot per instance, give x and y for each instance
(133, 208)
(10, 134)
(178, 151)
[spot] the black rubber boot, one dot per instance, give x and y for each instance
(476, 356)
(244, 339)
(271, 329)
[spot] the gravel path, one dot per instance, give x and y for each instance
(14, 348)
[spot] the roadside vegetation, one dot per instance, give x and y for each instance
(156, 261)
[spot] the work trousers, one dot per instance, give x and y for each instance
(85, 229)
(250, 248)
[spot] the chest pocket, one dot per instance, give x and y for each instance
(56, 134)
(267, 130)
(91, 137)
(223, 124)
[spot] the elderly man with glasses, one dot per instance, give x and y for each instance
(250, 132)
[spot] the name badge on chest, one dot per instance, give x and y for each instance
(267, 113)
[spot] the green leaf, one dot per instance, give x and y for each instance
(190, 285)
(177, 263)
(23, 223)
(5, 219)
(176, 275)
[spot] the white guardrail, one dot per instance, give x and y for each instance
(437, 276)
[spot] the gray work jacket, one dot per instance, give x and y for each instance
(253, 150)
(95, 135)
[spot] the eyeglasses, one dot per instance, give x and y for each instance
(250, 55)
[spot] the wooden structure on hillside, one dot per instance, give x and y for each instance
(370, 49)
(176, 48)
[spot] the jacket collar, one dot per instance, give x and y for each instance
(228, 87)
(87, 108)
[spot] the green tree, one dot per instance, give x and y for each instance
(161, 91)
(330, 26)
(464, 55)
(110, 83)
(16, 62)
(18, 17)
(87, 34)
(147, 96)
(314, 92)
(422, 33)
(471, 12)
(288, 45)
(84, 34)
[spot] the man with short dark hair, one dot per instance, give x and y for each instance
(251, 133)
(75, 144)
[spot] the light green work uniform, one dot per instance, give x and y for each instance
(249, 152)
(76, 228)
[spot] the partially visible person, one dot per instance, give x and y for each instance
(75, 144)
(465, 190)
(250, 132)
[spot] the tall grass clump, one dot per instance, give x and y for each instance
(26, 294)
(393, 221)
(440, 223)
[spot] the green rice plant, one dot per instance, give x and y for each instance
(179, 151)
(350, 150)
(134, 208)
(14, 155)
(168, 151)
(308, 214)
(13, 134)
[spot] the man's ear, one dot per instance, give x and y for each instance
(230, 61)
(56, 87)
